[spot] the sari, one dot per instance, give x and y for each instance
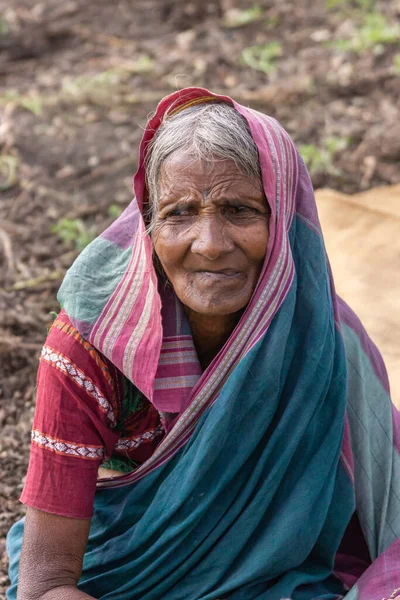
(279, 476)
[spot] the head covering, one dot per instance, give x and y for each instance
(246, 497)
(112, 295)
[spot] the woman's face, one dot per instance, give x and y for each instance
(211, 233)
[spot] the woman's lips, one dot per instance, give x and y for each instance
(221, 275)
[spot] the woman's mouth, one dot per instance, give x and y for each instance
(221, 275)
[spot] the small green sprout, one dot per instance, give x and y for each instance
(102, 82)
(396, 63)
(114, 211)
(4, 27)
(263, 58)
(31, 102)
(321, 159)
(238, 18)
(362, 5)
(374, 33)
(8, 171)
(74, 232)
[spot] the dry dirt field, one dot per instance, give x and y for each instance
(77, 81)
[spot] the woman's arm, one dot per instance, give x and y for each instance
(52, 556)
(77, 403)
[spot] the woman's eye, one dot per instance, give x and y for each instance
(179, 212)
(240, 210)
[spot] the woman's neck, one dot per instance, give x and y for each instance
(210, 333)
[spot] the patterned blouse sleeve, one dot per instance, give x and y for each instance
(76, 410)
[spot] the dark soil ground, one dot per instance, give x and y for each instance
(78, 81)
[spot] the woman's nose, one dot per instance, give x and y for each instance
(212, 238)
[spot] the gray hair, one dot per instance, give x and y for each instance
(207, 132)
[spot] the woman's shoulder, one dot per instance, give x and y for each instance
(67, 349)
(65, 337)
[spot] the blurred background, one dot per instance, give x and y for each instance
(79, 79)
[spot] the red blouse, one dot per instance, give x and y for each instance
(85, 414)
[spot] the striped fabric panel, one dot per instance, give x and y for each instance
(130, 443)
(66, 448)
(178, 368)
(126, 293)
(169, 383)
(139, 330)
(178, 343)
(182, 357)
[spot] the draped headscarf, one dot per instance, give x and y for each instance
(112, 295)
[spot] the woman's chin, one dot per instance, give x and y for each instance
(216, 306)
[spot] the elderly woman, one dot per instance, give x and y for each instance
(238, 412)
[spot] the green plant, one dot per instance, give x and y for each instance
(144, 64)
(331, 4)
(103, 81)
(91, 84)
(272, 22)
(313, 158)
(114, 211)
(377, 30)
(74, 232)
(263, 58)
(54, 316)
(374, 32)
(321, 159)
(363, 5)
(396, 63)
(238, 18)
(8, 170)
(31, 102)
(4, 27)
(334, 144)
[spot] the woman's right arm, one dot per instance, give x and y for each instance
(76, 407)
(52, 556)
